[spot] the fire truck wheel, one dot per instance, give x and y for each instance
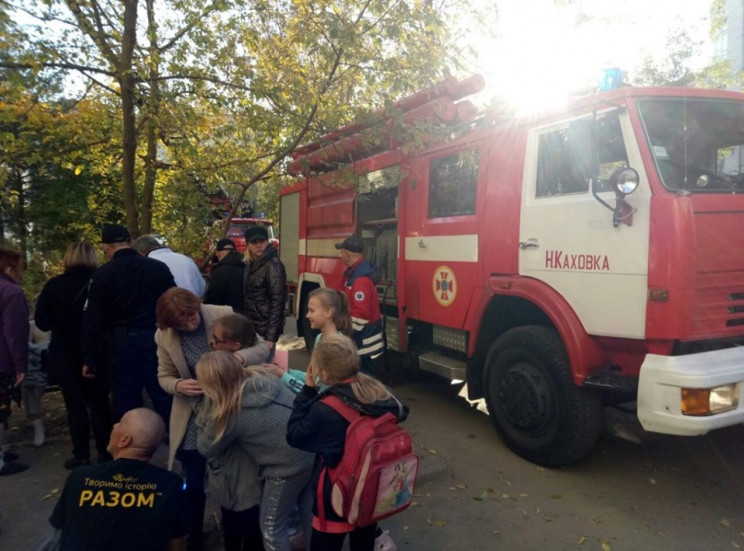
(534, 405)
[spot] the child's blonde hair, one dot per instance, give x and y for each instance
(223, 380)
(336, 359)
(338, 303)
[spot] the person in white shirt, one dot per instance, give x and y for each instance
(183, 268)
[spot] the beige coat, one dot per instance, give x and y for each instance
(172, 368)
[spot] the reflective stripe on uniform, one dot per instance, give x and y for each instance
(373, 346)
(358, 323)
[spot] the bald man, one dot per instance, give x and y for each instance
(126, 503)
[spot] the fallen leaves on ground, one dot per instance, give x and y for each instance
(484, 494)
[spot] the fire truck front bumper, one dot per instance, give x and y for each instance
(692, 394)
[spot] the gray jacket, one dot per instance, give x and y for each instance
(261, 430)
(233, 479)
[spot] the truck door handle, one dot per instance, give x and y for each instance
(531, 243)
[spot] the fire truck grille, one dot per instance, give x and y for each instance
(719, 305)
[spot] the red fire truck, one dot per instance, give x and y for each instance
(555, 263)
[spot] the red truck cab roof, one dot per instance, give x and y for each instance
(237, 228)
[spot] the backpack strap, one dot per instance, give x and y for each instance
(346, 411)
(350, 414)
(322, 524)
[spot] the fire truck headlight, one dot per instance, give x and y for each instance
(625, 181)
(709, 401)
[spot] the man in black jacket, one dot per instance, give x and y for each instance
(226, 280)
(119, 323)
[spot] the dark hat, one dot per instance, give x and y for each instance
(352, 243)
(114, 233)
(225, 245)
(254, 233)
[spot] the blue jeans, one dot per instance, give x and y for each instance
(280, 495)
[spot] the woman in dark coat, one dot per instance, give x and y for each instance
(264, 286)
(60, 310)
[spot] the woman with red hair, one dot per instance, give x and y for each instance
(186, 331)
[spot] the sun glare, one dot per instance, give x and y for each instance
(548, 51)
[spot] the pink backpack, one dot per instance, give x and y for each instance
(376, 475)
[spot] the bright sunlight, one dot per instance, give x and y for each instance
(546, 51)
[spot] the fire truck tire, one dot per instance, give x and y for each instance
(534, 405)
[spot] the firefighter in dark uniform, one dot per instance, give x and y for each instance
(119, 323)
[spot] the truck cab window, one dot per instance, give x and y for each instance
(697, 143)
(564, 164)
(453, 184)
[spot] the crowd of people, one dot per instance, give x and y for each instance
(253, 434)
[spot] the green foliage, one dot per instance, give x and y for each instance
(218, 94)
(673, 69)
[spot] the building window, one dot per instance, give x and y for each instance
(453, 184)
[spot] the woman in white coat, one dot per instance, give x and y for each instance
(185, 333)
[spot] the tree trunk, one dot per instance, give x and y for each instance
(153, 117)
(129, 130)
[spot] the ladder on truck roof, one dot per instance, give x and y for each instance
(438, 102)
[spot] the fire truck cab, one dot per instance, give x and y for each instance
(556, 263)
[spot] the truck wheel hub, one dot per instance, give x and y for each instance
(523, 394)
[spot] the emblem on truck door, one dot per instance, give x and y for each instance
(444, 285)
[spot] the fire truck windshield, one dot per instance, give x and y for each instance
(697, 144)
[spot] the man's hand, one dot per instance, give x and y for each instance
(189, 387)
(19, 379)
(89, 372)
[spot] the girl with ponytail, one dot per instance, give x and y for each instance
(316, 427)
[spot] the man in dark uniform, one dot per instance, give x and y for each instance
(119, 323)
(226, 280)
